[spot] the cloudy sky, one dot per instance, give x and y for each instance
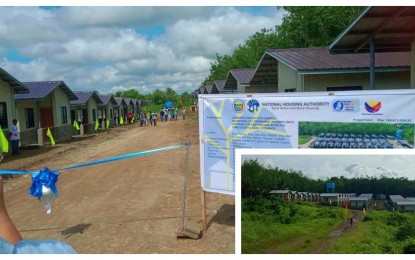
(118, 48)
(323, 166)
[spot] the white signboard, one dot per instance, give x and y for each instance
(330, 120)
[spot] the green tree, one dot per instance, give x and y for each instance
(302, 27)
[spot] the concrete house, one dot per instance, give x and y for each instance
(45, 106)
(363, 201)
(137, 107)
(294, 195)
(330, 199)
(129, 105)
(8, 87)
(208, 89)
(119, 110)
(238, 80)
(218, 86)
(283, 194)
(401, 204)
(85, 109)
(106, 109)
(315, 69)
(406, 206)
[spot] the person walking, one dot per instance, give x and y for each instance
(184, 113)
(151, 118)
(14, 137)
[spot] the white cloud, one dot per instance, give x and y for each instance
(349, 166)
(107, 48)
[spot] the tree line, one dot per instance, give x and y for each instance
(158, 97)
(302, 27)
(258, 180)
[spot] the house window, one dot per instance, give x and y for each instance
(64, 115)
(290, 90)
(111, 115)
(94, 115)
(3, 115)
(30, 117)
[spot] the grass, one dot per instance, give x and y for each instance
(302, 139)
(311, 224)
(372, 237)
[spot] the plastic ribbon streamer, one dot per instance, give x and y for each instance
(44, 181)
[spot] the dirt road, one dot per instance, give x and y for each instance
(322, 246)
(128, 206)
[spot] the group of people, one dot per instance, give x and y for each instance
(165, 115)
(147, 119)
(171, 114)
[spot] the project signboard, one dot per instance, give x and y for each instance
(316, 120)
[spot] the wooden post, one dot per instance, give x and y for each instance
(203, 197)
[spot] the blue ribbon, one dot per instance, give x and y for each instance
(44, 177)
(49, 178)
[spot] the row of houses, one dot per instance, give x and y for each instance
(38, 106)
(349, 200)
(351, 62)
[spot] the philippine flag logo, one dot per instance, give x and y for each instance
(373, 106)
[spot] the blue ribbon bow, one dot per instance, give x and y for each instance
(44, 177)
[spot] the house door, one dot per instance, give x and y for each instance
(46, 120)
(85, 120)
(72, 116)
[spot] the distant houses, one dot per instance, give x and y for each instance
(84, 109)
(346, 200)
(42, 105)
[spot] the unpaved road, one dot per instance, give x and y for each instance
(128, 206)
(323, 246)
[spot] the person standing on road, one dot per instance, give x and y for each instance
(14, 137)
(176, 112)
(184, 113)
(155, 118)
(162, 115)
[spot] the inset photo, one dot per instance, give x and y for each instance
(327, 202)
(340, 135)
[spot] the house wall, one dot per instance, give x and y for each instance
(28, 135)
(60, 99)
(20, 107)
(288, 79)
(407, 208)
(7, 96)
(110, 106)
(383, 80)
(92, 104)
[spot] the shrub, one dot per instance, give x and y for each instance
(406, 230)
(409, 247)
(367, 218)
(396, 219)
